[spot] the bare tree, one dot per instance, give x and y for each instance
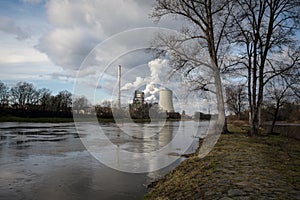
(277, 93)
(24, 95)
(4, 94)
(80, 103)
(203, 44)
(45, 99)
(64, 101)
(283, 89)
(236, 98)
(262, 28)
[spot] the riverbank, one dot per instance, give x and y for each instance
(71, 119)
(36, 119)
(239, 167)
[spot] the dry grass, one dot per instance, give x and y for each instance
(238, 167)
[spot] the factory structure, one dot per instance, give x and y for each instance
(140, 109)
(163, 109)
(166, 100)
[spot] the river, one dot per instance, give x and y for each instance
(52, 161)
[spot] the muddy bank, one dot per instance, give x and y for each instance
(239, 167)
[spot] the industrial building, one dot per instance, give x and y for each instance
(139, 97)
(139, 109)
(166, 104)
(166, 100)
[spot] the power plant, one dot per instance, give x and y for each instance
(139, 108)
(139, 97)
(119, 87)
(166, 100)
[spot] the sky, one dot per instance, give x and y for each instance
(46, 41)
(76, 45)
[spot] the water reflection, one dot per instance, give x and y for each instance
(48, 161)
(134, 148)
(145, 139)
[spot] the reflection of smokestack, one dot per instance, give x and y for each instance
(166, 100)
(119, 87)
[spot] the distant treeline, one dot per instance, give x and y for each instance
(25, 100)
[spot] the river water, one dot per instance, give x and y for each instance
(51, 161)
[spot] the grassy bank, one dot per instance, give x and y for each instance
(239, 167)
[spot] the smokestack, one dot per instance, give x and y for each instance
(166, 100)
(119, 87)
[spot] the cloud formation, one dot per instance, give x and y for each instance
(79, 26)
(7, 25)
(138, 81)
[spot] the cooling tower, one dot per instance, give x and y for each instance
(166, 100)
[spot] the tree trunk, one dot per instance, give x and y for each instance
(254, 123)
(275, 117)
(225, 128)
(220, 99)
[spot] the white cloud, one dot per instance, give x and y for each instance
(78, 26)
(68, 47)
(138, 81)
(21, 55)
(7, 25)
(27, 71)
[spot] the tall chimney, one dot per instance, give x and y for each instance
(119, 87)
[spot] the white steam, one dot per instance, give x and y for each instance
(136, 83)
(152, 88)
(156, 66)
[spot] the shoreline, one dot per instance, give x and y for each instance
(36, 120)
(71, 119)
(239, 167)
